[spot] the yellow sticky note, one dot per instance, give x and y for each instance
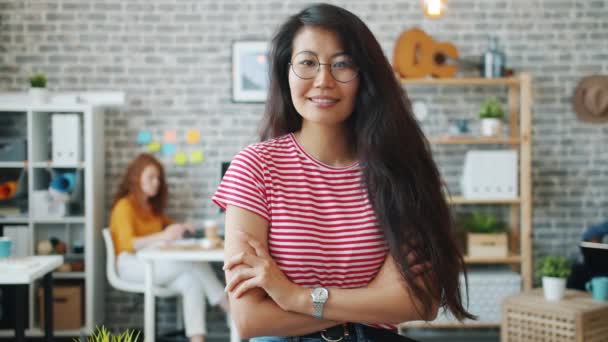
(196, 156)
(154, 146)
(180, 158)
(193, 136)
(170, 136)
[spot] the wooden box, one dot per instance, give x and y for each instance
(487, 245)
(576, 318)
(67, 307)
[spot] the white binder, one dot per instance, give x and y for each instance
(490, 174)
(66, 140)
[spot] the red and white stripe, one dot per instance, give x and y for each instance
(322, 228)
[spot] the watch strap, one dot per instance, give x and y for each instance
(317, 310)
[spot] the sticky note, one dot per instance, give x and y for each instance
(170, 136)
(144, 137)
(193, 136)
(154, 146)
(168, 149)
(180, 158)
(196, 157)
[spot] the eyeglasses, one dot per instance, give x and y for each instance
(306, 66)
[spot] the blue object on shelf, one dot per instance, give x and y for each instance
(64, 182)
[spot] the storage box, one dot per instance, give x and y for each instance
(67, 307)
(576, 318)
(13, 149)
(487, 245)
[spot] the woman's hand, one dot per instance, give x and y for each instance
(260, 271)
(176, 231)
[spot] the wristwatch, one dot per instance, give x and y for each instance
(319, 297)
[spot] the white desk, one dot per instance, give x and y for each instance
(149, 255)
(22, 272)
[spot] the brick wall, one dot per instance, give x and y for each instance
(172, 58)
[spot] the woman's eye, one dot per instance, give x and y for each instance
(308, 63)
(342, 64)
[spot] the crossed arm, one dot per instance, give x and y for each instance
(264, 302)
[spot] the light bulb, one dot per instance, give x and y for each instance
(433, 8)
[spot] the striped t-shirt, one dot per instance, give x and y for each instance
(322, 228)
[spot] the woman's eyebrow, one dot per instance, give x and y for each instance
(314, 53)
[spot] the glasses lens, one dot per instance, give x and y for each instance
(343, 69)
(305, 65)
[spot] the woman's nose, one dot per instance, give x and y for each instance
(324, 77)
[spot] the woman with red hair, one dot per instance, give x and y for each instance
(138, 220)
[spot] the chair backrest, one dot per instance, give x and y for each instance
(111, 273)
(119, 283)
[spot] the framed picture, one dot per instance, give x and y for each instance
(249, 71)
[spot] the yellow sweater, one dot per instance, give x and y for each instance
(128, 221)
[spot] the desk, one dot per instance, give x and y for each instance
(149, 255)
(24, 271)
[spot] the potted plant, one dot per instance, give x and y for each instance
(486, 236)
(491, 115)
(103, 335)
(554, 270)
(38, 91)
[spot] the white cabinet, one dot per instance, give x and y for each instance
(50, 128)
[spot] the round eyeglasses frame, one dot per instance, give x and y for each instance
(319, 69)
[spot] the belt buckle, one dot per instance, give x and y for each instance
(329, 339)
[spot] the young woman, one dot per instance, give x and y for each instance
(138, 220)
(336, 224)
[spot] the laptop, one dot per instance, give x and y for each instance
(596, 256)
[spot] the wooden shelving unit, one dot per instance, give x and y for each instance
(519, 115)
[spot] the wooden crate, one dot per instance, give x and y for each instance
(576, 318)
(487, 245)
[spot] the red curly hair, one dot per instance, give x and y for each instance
(130, 184)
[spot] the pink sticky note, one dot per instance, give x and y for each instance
(170, 136)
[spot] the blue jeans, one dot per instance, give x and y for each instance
(597, 231)
(358, 336)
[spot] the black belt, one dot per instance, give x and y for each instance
(347, 332)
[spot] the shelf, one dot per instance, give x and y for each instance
(37, 332)
(474, 140)
(442, 325)
(461, 81)
(49, 164)
(64, 219)
(511, 259)
(68, 275)
(14, 220)
(12, 164)
(462, 200)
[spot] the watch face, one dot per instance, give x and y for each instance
(320, 294)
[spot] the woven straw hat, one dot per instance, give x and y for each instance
(590, 99)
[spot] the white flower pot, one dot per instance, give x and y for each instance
(491, 127)
(38, 95)
(554, 288)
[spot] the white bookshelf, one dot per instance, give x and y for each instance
(84, 225)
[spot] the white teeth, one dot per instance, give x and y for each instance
(323, 100)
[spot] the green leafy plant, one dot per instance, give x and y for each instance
(491, 109)
(38, 80)
(103, 335)
(553, 266)
(485, 223)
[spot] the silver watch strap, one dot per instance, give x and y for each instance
(318, 310)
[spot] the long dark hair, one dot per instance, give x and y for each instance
(131, 184)
(402, 180)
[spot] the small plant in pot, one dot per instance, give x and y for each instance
(554, 270)
(491, 115)
(38, 91)
(103, 335)
(486, 236)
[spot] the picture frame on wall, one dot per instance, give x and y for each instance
(250, 64)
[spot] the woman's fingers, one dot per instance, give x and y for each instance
(245, 286)
(239, 276)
